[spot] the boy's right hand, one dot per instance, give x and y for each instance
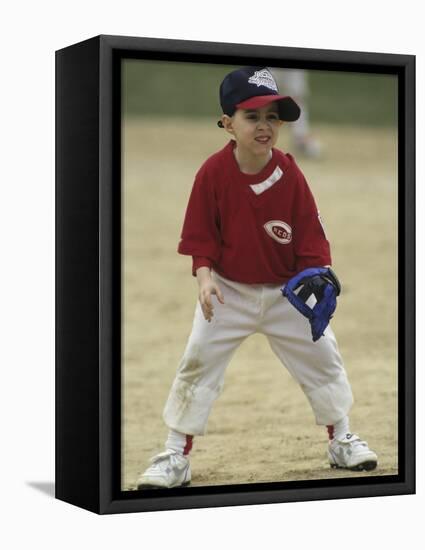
(207, 287)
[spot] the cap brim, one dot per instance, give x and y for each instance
(288, 109)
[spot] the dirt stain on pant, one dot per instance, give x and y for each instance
(191, 367)
(188, 375)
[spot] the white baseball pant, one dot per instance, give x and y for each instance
(248, 309)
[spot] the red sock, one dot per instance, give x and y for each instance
(179, 442)
(188, 446)
(339, 429)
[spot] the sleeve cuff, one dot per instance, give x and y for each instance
(198, 262)
(313, 262)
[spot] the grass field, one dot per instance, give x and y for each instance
(261, 428)
(191, 90)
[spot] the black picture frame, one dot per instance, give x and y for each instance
(88, 274)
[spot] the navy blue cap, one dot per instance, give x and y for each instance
(252, 88)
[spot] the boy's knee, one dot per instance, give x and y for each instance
(191, 368)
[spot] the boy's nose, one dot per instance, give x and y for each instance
(263, 123)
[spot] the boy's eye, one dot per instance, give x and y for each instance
(269, 116)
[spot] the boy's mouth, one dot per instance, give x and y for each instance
(262, 139)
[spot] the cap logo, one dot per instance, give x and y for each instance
(263, 78)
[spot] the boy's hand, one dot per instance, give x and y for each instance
(207, 287)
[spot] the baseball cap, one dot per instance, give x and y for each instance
(252, 88)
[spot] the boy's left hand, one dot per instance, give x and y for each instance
(324, 284)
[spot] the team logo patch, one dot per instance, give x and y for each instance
(279, 231)
(263, 78)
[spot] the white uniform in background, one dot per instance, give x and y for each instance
(294, 82)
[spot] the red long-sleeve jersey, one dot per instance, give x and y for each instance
(255, 229)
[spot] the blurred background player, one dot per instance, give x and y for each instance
(294, 82)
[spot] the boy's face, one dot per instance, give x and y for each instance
(255, 130)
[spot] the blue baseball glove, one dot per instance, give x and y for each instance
(324, 284)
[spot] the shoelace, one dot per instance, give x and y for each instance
(162, 456)
(356, 443)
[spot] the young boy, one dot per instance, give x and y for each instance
(251, 225)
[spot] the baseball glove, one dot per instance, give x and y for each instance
(324, 285)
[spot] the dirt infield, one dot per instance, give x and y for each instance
(261, 428)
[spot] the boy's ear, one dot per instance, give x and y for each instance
(227, 122)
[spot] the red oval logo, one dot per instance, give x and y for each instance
(279, 231)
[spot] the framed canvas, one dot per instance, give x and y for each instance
(136, 118)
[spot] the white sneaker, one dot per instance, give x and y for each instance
(168, 469)
(351, 453)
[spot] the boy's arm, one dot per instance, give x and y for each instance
(199, 261)
(200, 235)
